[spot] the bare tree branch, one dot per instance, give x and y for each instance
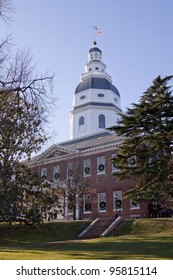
(5, 10)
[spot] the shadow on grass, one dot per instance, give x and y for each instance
(101, 248)
(134, 239)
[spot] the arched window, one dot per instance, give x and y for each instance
(101, 121)
(81, 120)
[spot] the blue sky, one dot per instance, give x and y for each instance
(136, 42)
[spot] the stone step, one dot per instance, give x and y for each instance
(99, 227)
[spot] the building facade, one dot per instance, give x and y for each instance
(84, 163)
(89, 161)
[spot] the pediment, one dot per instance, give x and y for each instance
(58, 153)
(55, 151)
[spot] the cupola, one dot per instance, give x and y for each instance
(96, 103)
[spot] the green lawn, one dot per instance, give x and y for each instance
(134, 239)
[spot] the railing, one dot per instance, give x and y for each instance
(112, 226)
(88, 228)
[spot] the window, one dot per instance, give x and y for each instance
(132, 161)
(43, 172)
(82, 97)
(102, 202)
(96, 56)
(117, 200)
(81, 120)
(96, 68)
(101, 121)
(70, 204)
(134, 204)
(70, 170)
(57, 153)
(100, 95)
(56, 170)
(87, 204)
(101, 165)
(114, 166)
(87, 168)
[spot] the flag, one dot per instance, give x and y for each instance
(97, 30)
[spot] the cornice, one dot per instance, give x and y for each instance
(76, 153)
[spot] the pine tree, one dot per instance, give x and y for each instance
(145, 155)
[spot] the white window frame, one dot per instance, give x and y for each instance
(101, 165)
(85, 199)
(101, 199)
(114, 168)
(81, 120)
(101, 121)
(132, 161)
(86, 165)
(56, 170)
(117, 196)
(134, 206)
(70, 170)
(43, 172)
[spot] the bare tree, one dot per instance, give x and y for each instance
(24, 102)
(73, 186)
(5, 9)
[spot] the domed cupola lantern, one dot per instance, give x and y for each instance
(96, 103)
(94, 53)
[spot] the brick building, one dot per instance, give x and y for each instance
(96, 106)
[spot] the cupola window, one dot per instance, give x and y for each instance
(101, 121)
(81, 120)
(82, 97)
(100, 95)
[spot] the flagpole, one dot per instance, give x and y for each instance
(97, 31)
(94, 33)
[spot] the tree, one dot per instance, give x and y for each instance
(145, 154)
(73, 185)
(26, 196)
(24, 104)
(5, 9)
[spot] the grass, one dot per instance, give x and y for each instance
(134, 239)
(47, 232)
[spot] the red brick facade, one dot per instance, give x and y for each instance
(104, 194)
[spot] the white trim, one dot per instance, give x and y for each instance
(99, 194)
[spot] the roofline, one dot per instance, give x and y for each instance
(86, 138)
(109, 146)
(100, 104)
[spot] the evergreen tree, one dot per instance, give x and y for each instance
(145, 154)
